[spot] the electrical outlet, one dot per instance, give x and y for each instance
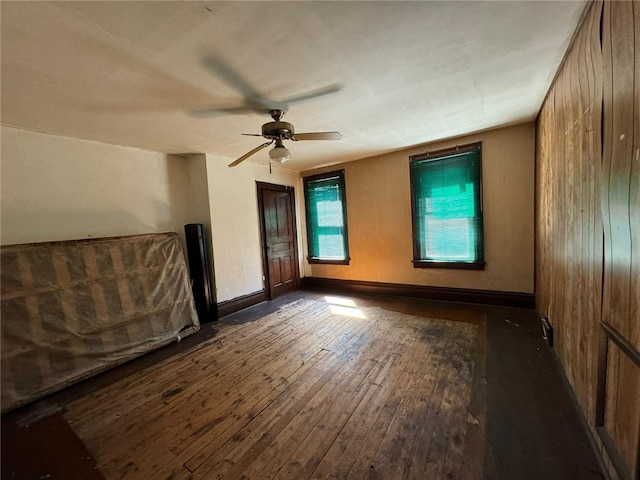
(547, 331)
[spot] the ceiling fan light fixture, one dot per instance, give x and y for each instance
(279, 153)
(278, 131)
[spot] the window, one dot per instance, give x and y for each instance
(326, 218)
(446, 195)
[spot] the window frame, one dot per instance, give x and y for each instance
(340, 174)
(442, 154)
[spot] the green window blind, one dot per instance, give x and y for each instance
(326, 217)
(447, 208)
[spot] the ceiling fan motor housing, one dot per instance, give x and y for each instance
(281, 130)
(276, 132)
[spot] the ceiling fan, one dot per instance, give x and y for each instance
(253, 101)
(276, 132)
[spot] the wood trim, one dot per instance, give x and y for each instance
(586, 424)
(450, 265)
(240, 303)
(612, 453)
(260, 188)
(485, 297)
(327, 261)
(601, 379)
(446, 152)
(608, 332)
(341, 176)
(623, 344)
(479, 250)
(323, 176)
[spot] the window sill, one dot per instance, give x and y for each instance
(449, 265)
(329, 261)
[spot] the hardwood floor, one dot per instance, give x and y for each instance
(322, 388)
(287, 389)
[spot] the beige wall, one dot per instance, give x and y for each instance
(235, 228)
(200, 208)
(379, 217)
(59, 188)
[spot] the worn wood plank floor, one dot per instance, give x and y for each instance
(322, 388)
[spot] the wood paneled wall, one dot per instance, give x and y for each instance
(588, 223)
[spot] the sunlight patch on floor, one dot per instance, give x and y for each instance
(346, 302)
(345, 307)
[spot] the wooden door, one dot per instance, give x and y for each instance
(279, 239)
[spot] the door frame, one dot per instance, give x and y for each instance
(261, 187)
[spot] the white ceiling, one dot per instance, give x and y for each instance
(137, 73)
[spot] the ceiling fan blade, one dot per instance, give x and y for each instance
(212, 112)
(248, 154)
(253, 100)
(251, 134)
(231, 77)
(336, 87)
(317, 136)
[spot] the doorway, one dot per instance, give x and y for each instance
(276, 208)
